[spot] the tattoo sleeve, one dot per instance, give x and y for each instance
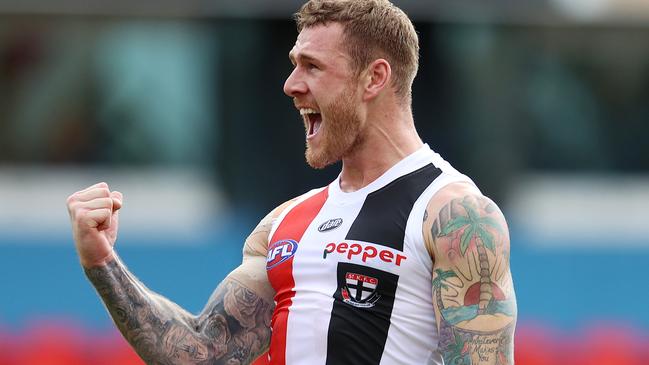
(233, 328)
(472, 286)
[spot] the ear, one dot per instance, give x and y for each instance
(376, 77)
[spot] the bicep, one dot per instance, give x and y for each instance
(235, 323)
(237, 317)
(473, 293)
(252, 271)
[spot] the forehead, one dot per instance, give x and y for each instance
(321, 42)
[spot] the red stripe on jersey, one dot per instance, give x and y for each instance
(292, 227)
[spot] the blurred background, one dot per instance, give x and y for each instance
(179, 105)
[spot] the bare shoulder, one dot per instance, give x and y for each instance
(459, 206)
(257, 242)
(251, 274)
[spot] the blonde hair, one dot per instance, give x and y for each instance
(372, 29)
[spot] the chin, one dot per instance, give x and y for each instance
(340, 137)
(319, 160)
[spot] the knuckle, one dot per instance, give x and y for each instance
(73, 207)
(71, 199)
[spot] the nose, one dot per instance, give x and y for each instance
(294, 86)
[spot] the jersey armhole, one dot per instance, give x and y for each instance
(415, 226)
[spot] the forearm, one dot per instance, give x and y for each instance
(163, 333)
(476, 347)
(145, 319)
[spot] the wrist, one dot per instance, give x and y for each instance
(91, 264)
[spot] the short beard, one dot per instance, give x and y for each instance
(341, 132)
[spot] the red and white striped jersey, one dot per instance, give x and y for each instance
(352, 276)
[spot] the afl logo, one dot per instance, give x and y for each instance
(330, 224)
(279, 252)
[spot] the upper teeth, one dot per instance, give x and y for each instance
(305, 111)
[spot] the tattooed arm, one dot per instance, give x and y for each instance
(233, 328)
(467, 237)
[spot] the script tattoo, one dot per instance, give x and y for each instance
(472, 285)
(233, 328)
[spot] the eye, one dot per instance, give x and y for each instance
(312, 66)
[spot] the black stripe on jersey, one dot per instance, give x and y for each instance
(383, 217)
(358, 328)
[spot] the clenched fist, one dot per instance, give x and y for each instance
(94, 217)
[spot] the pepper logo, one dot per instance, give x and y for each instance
(368, 253)
(279, 252)
(330, 224)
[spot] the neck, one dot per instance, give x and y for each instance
(385, 140)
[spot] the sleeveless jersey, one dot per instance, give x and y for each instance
(352, 276)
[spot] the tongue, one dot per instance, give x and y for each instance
(315, 121)
(316, 126)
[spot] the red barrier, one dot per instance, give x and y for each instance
(50, 344)
(611, 344)
(6, 348)
(536, 345)
(602, 344)
(63, 344)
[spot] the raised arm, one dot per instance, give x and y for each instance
(474, 298)
(234, 326)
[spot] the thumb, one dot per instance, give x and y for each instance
(117, 200)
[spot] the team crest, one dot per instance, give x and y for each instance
(279, 252)
(360, 290)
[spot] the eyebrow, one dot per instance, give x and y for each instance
(303, 57)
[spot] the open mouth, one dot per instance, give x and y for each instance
(313, 120)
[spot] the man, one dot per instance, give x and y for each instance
(400, 260)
